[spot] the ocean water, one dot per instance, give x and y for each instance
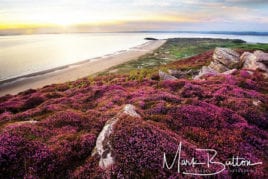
(26, 54)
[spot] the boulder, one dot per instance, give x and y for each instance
(227, 57)
(251, 61)
(165, 76)
(256, 102)
(229, 72)
(205, 71)
(22, 122)
(131, 111)
(261, 56)
(103, 146)
(224, 60)
(256, 52)
(179, 73)
(217, 66)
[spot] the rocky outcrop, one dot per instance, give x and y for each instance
(229, 72)
(103, 146)
(254, 61)
(23, 122)
(209, 71)
(249, 60)
(179, 73)
(206, 71)
(131, 111)
(226, 61)
(227, 57)
(164, 76)
(217, 66)
(261, 56)
(256, 102)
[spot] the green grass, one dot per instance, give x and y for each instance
(179, 48)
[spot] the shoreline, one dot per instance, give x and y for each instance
(77, 70)
(44, 72)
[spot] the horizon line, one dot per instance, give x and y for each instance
(261, 33)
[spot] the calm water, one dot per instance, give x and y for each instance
(26, 54)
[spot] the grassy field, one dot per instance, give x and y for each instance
(179, 48)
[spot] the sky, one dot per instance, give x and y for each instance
(33, 16)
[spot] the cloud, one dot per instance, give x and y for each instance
(154, 13)
(146, 3)
(247, 1)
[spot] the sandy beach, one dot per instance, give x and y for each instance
(79, 70)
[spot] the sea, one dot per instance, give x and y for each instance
(22, 55)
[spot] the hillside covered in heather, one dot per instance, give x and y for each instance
(120, 124)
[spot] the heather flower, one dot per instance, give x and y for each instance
(51, 132)
(245, 74)
(64, 118)
(17, 155)
(192, 90)
(6, 116)
(13, 106)
(33, 101)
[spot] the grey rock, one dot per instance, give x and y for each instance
(251, 62)
(227, 57)
(179, 73)
(130, 110)
(256, 52)
(165, 76)
(261, 56)
(256, 102)
(217, 66)
(229, 72)
(205, 71)
(24, 122)
(103, 146)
